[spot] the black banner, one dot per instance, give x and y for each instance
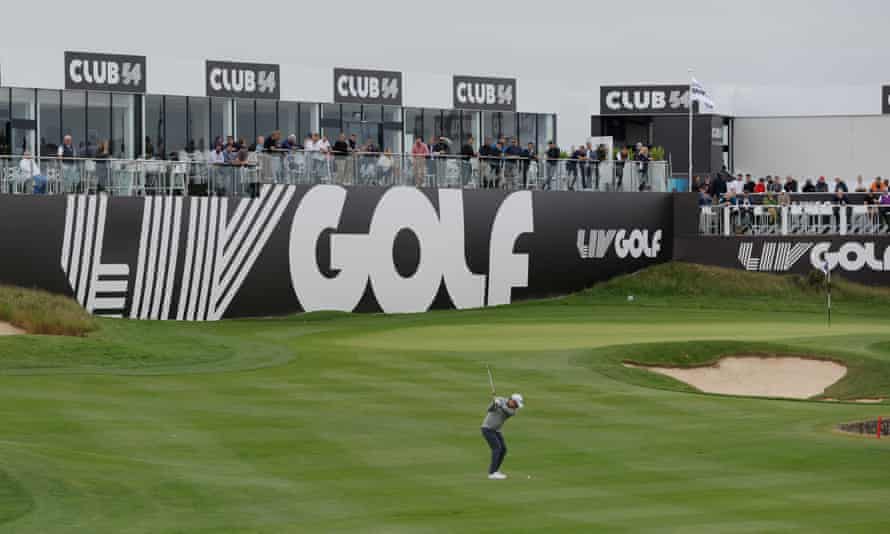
(644, 100)
(355, 86)
(486, 94)
(863, 259)
(299, 248)
(242, 80)
(105, 72)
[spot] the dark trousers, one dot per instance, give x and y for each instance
(498, 448)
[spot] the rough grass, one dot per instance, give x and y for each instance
(40, 312)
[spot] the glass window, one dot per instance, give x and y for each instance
(528, 129)
(309, 120)
(98, 123)
(4, 121)
(49, 104)
(432, 124)
(199, 124)
(451, 129)
(245, 120)
(330, 121)
(176, 125)
(413, 126)
(266, 119)
(74, 117)
(508, 125)
(24, 120)
(470, 126)
(154, 127)
(123, 133)
(546, 131)
(289, 120)
(372, 113)
(392, 129)
(220, 119)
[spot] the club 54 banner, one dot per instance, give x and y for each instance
(105, 72)
(487, 94)
(295, 248)
(242, 80)
(644, 100)
(355, 86)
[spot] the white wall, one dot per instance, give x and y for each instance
(813, 146)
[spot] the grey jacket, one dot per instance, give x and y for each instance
(498, 413)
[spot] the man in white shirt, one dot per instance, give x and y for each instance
(31, 171)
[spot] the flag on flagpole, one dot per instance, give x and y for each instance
(700, 95)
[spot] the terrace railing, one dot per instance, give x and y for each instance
(195, 174)
(801, 218)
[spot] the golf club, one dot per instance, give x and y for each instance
(491, 380)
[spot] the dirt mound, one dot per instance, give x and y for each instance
(755, 376)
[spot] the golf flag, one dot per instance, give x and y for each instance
(699, 94)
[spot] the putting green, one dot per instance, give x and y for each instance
(331, 423)
(562, 336)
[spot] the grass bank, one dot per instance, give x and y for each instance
(40, 312)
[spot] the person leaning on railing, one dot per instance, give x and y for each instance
(884, 208)
(553, 154)
(67, 153)
(467, 152)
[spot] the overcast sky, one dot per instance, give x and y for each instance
(757, 42)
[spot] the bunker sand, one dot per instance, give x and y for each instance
(756, 376)
(7, 329)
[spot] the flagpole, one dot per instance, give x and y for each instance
(691, 103)
(828, 276)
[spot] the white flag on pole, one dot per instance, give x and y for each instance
(699, 94)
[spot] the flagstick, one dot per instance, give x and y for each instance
(691, 185)
(828, 276)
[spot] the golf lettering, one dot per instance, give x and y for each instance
(635, 244)
(360, 259)
(851, 257)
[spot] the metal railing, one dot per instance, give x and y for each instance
(816, 218)
(197, 174)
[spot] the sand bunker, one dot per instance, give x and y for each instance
(755, 376)
(7, 329)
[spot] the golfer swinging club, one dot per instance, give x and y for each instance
(499, 411)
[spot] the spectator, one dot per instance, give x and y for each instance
(529, 155)
(385, 166)
(553, 153)
(621, 159)
(353, 142)
(718, 187)
(290, 143)
(442, 146)
(821, 185)
(31, 171)
(884, 208)
(759, 188)
(70, 174)
(808, 187)
(274, 141)
(467, 153)
(878, 186)
(486, 152)
(704, 197)
(231, 153)
(216, 155)
(790, 185)
(840, 186)
(259, 146)
(749, 185)
(860, 185)
(774, 186)
(420, 151)
(642, 159)
(772, 207)
(514, 153)
(841, 199)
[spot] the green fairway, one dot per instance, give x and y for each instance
(331, 422)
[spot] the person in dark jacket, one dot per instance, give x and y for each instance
(467, 152)
(808, 187)
(821, 185)
(528, 156)
(553, 153)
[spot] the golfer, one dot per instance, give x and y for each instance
(499, 411)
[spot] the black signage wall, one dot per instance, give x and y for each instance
(355, 86)
(885, 100)
(105, 72)
(326, 247)
(644, 100)
(487, 94)
(242, 80)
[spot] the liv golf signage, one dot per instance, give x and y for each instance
(105, 72)
(486, 94)
(242, 80)
(354, 86)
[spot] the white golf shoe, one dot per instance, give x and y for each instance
(497, 476)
